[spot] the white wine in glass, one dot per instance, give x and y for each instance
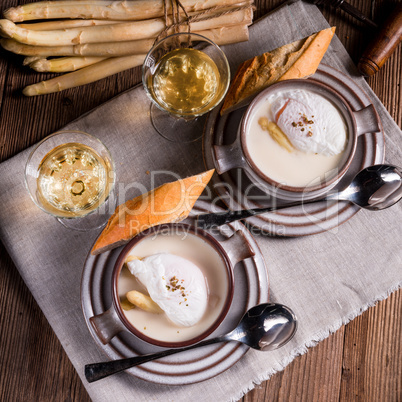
(72, 180)
(185, 82)
(185, 75)
(70, 175)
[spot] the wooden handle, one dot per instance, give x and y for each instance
(382, 47)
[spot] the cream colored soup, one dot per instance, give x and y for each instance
(298, 168)
(194, 249)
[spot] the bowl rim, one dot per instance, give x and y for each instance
(347, 116)
(214, 243)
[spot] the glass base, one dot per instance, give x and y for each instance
(176, 129)
(95, 220)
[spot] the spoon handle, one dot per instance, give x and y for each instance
(206, 221)
(97, 371)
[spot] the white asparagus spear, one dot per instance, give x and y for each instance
(39, 51)
(113, 10)
(143, 302)
(102, 33)
(227, 35)
(115, 49)
(113, 33)
(85, 75)
(221, 36)
(63, 64)
(64, 24)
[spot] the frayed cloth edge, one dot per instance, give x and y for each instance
(313, 341)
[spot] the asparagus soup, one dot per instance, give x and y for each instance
(296, 138)
(202, 294)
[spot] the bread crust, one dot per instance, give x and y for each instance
(171, 202)
(298, 59)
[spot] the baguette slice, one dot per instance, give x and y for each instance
(171, 202)
(298, 59)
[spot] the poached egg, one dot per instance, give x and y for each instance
(176, 284)
(311, 122)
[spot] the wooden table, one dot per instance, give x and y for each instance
(361, 361)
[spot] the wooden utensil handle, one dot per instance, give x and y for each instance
(382, 47)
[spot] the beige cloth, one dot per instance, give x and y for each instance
(328, 279)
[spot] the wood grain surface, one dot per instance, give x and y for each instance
(360, 362)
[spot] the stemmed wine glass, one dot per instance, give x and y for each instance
(70, 175)
(185, 75)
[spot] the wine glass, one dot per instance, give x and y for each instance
(70, 175)
(185, 75)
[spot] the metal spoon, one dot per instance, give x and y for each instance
(374, 188)
(264, 327)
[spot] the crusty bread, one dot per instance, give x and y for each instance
(171, 202)
(298, 59)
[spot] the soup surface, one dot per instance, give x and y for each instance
(190, 249)
(309, 139)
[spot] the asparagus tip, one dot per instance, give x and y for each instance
(29, 91)
(29, 59)
(41, 65)
(7, 28)
(13, 14)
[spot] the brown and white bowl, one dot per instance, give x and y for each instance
(237, 155)
(231, 251)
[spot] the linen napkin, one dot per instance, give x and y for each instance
(327, 279)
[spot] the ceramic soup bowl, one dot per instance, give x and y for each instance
(279, 168)
(214, 259)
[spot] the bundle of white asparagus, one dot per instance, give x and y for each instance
(92, 39)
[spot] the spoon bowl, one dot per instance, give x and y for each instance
(374, 188)
(264, 327)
